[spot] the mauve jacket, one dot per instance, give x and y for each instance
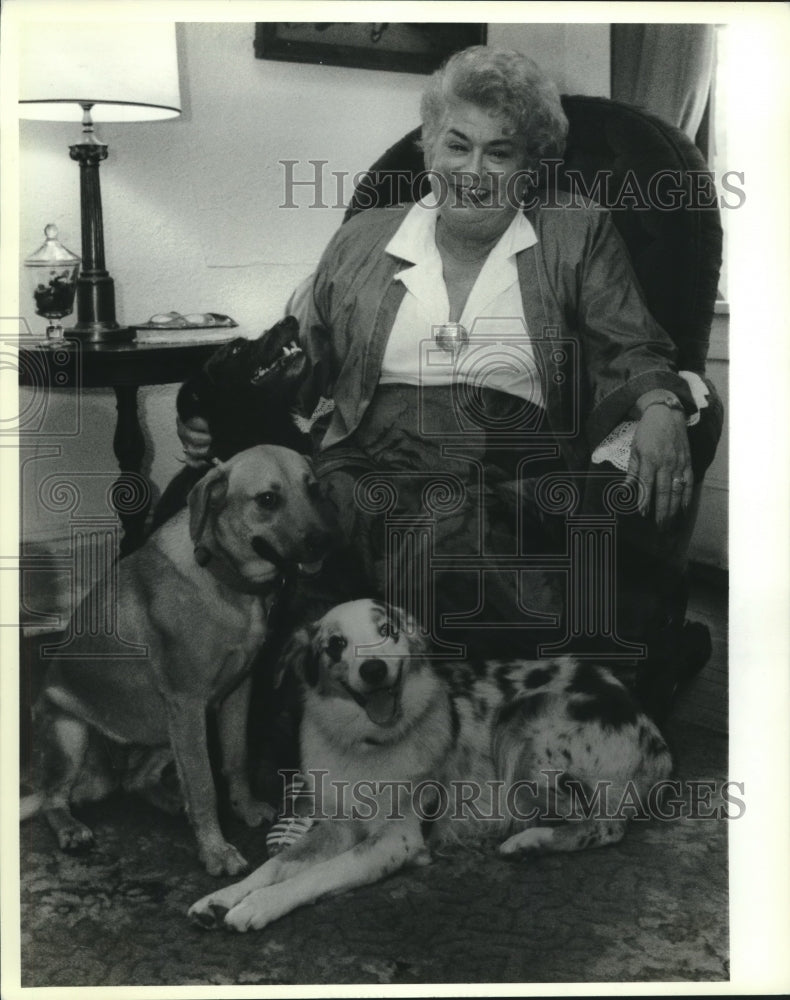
(599, 346)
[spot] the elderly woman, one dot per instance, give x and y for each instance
(472, 344)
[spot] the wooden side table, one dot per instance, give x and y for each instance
(124, 368)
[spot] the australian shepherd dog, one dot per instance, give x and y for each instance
(400, 750)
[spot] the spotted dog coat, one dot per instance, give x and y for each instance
(540, 736)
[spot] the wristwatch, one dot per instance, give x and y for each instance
(669, 400)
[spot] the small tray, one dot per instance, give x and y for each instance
(192, 321)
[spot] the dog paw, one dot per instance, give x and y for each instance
(210, 911)
(222, 859)
(422, 859)
(254, 912)
(240, 919)
(262, 907)
(207, 914)
(533, 839)
(75, 838)
(252, 812)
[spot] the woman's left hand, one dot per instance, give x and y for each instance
(661, 462)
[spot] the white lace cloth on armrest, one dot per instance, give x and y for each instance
(616, 446)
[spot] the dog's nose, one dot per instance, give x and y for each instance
(373, 671)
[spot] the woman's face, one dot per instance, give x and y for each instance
(477, 160)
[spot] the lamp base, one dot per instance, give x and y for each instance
(96, 321)
(95, 288)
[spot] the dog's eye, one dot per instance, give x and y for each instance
(268, 500)
(388, 631)
(335, 646)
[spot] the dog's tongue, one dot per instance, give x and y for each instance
(382, 706)
(311, 568)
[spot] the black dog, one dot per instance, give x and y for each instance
(246, 392)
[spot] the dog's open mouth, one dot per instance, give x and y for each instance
(382, 705)
(266, 551)
(290, 356)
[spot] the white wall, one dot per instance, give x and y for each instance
(575, 55)
(191, 206)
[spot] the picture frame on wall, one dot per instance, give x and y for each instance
(398, 47)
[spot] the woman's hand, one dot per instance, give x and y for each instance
(196, 439)
(661, 462)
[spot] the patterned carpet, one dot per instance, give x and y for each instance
(653, 908)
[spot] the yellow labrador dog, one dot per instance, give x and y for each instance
(196, 598)
(550, 755)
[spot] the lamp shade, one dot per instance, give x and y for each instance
(128, 70)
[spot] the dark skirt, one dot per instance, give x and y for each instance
(435, 494)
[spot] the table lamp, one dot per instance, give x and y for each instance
(101, 71)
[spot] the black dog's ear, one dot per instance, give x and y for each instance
(208, 495)
(298, 655)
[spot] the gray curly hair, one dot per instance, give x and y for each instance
(503, 82)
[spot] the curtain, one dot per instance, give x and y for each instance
(665, 69)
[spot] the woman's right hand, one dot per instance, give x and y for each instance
(196, 440)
